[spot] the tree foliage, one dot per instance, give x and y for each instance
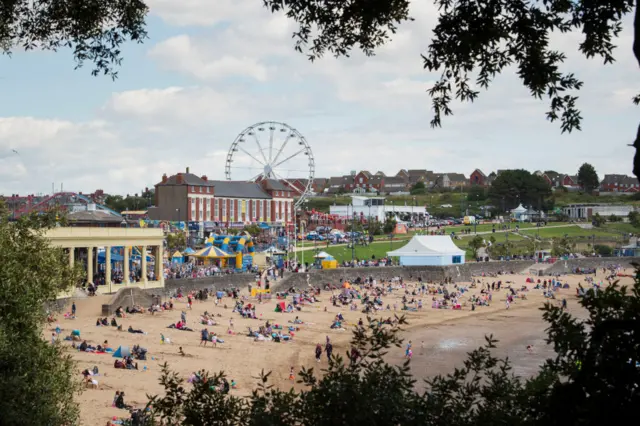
(130, 202)
(36, 378)
(598, 220)
(513, 187)
(475, 41)
(177, 241)
(93, 29)
(418, 189)
(476, 244)
(592, 380)
(588, 178)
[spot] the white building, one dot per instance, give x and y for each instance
(376, 209)
(429, 250)
(587, 211)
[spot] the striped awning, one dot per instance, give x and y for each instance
(212, 252)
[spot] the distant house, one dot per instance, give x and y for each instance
(319, 185)
(394, 184)
(335, 185)
(361, 180)
(442, 181)
(457, 180)
(569, 181)
(619, 183)
(403, 174)
(478, 178)
(554, 179)
(381, 174)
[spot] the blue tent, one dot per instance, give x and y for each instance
(264, 225)
(188, 250)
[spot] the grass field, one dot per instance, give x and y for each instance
(342, 252)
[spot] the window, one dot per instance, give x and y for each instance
(279, 210)
(224, 209)
(360, 180)
(457, 259)
(208, 188)
(200, 189)
(216, 209)
(268, 215)
(254, 209)
(232, 211)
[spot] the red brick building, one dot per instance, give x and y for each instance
(619, 183)
(191, 198)
(478, 178)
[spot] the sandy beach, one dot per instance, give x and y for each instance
(440, 337)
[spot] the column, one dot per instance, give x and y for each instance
(89, 264)
(72, 256)
(143, 263)
(159, 260)
(107, 267)
(126, 265)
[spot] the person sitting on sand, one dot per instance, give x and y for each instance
(132, 330)
(120, 312)
(119, 364)
(120, 402)
(181, 352)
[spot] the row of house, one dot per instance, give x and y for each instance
(366, 182)
(613, 183)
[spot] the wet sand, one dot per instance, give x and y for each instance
(447, 334)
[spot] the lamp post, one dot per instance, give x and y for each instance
(413, 203)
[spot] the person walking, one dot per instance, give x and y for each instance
(318, 352)
(329, 350)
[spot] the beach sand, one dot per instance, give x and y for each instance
(447, 335)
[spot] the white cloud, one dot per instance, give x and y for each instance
(181, 54)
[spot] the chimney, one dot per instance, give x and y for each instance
(179, 179)
(164, 178)
(204, 178)
(187, 169)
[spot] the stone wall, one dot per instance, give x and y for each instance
(566, 266)
(427, 273)
(218, 282)
(127, 297)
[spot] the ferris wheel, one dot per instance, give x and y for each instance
(272, 150)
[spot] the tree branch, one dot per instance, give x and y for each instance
(636, 33)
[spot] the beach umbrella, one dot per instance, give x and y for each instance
(188, 250)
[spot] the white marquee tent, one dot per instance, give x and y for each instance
(429, 250)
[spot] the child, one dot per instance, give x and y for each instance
(234, 385)
(292, 376)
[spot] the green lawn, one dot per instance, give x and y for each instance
(571, 231)
(622, 227)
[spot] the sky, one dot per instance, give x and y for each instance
(211, 69)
